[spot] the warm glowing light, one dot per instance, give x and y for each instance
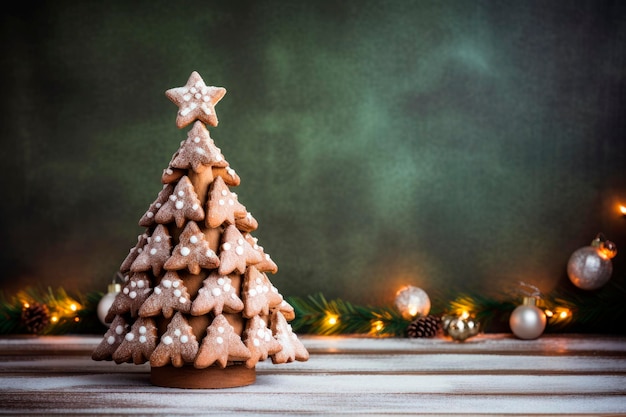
(377, 326)
(76, 319)
(73, 307)
(563, 314)
(54, 319)
(331, 319)
(622, 209)
(413, 310)
(464, 315)
(26, 305)
(548, 313)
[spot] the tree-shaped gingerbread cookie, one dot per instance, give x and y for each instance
(197, 303)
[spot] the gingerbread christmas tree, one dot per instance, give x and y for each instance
(197, 302)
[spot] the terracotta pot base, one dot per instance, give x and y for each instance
(211, 377)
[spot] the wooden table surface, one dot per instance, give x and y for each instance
(492, 374)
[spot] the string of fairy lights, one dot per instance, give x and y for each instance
(593, 302)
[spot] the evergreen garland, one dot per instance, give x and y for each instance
(316, 315)
(600, 311)
(79, 319)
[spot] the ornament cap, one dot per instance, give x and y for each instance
(529, 301)
(114, 287)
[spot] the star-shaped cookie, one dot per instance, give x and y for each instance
(196, 100)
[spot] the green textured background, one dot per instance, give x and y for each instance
(452, 145)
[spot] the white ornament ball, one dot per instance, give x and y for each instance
(106, 302)
(528, 321)
(412, 302)
(588, 269)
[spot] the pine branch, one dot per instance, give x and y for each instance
(317, 315)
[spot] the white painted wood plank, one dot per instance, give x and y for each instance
(501, 342)
(339, 384)
(494, 343)
(201, 404)
(361, 363)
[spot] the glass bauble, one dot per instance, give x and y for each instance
(412, 302)
(589, 268)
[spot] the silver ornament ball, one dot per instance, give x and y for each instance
(588, 269)
(528, 321)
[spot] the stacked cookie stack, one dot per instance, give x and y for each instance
(197, 302)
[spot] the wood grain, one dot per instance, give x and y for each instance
(570, 375)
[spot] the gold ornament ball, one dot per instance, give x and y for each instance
(459, 328)
(412, 302)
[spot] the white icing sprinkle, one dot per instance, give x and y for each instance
(133, 294)
(149, 215)
(224, 193)
(219, 340)
(167, 340)
(185, 251)
(182, 300)
(157, 291)
(252, 293)
(239, 250)
(231, 202)
(240, 241)
(227, 287)
(194, 238)
(125, 291)
(256, 342)
(184, 338)
(140, 284)
(172, 197)
(221, 202)
(196, 139)
(179, 204)
(175, 284)
(221, 281)
(143, 339)
(177, 293)
(258, 280)
(119, 330)
(226, 246)
(110, 340)
(129, 336)
(177, 332)
(153, 251)
(220, 329)
(142, 330)
(133, 284)
(194, 206)
(216, 292)
(209, 253)
(181, 193)
(166, 283)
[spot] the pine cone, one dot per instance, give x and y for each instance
(425, 326)
(35, 317)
